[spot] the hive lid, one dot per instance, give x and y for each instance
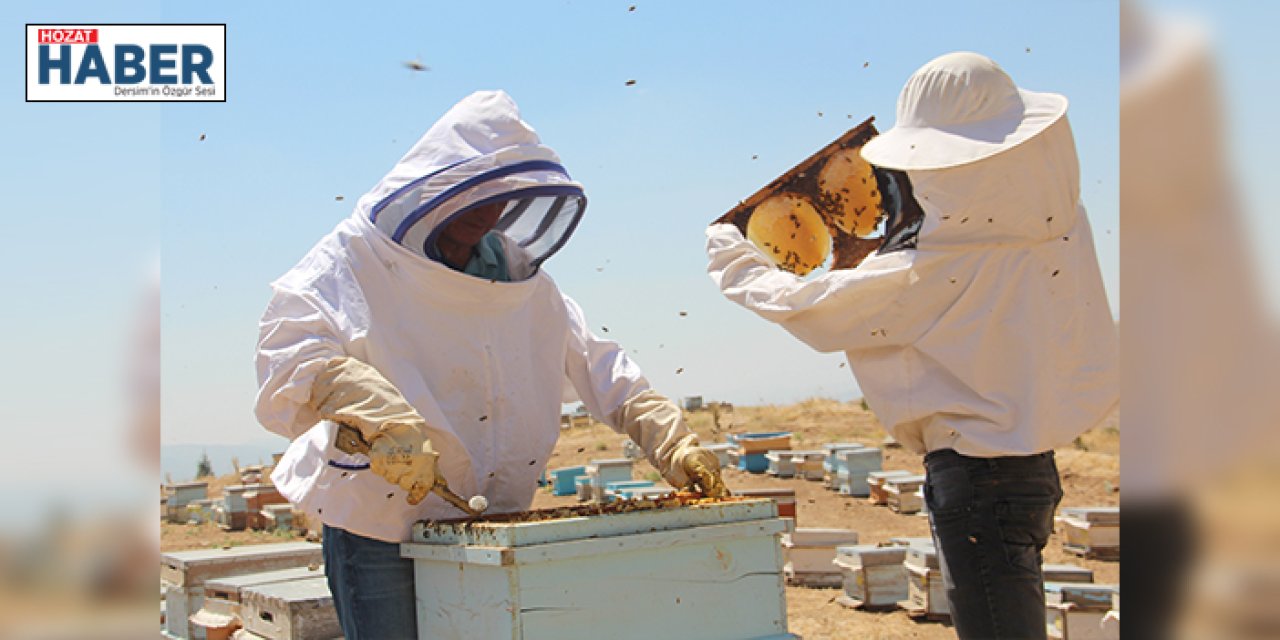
(1093, 515)
(512, 531)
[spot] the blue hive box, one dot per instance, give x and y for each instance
(562, 480)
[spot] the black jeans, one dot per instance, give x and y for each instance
(991, 517)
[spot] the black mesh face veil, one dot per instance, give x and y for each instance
(541, 209)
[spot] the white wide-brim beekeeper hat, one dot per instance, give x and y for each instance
(960, 108)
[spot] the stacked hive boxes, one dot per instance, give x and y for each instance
(722, 451)
(221, 612)
(1075, 611)
(876, 484)
(903, 493)
(926, 591)
(852, 467)
(753, 447)
(788, 464)
(809, 554)
(177, 498)
(602, 472)
(293, 610)
(830, 465)
(873, 576)
(183, 575)
(563, 480)
(1092, 532)
(785, 499)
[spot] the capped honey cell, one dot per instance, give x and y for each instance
(793, 227)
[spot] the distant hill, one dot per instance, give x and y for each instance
(180, 460)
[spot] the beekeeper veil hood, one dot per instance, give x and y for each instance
(479, 153)
(960, 108)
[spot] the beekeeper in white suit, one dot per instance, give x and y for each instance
(425, 324)
(985, 345)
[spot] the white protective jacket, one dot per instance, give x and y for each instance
(993, 336)
(487, 364)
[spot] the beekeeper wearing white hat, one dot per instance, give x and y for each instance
(986, 342)
(421, 344)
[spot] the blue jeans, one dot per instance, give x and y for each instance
(372, 586)
(991, 517)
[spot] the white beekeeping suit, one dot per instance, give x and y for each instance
(993, 335)
(482, 361)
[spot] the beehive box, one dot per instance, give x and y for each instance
(1066, 573)
(583, 485)
(563, 479)
(808, 555)
(216, 619)
(1091, 532)
(901, 493)
(566, 577)
(1075, 611)
(749, 443)
(220, 612)
(875, 484)
(852, 467)
(753, 462)
(873, 576)
(722, 450)
(784, 498)
(830, 465)
(613, 490)
(926, 593)
(809, 464)
(277, 517)
(780, 463)
(292, 610)
(183, 575)
(602, 472)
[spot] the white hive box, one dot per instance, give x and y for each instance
(876, 484)
(722, 451)
(1076, 611)
(831, 466)
(781, 464)
(568, 578)
(808, 553)
(184, 574)
(873, 576)
(221, 609)
(1091, 532)
(292, 610)
(602, 472)
(901, 492)
(926, 591)
(853, 465)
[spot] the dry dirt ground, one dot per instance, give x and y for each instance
(1090, 470)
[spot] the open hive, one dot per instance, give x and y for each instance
(561, 572)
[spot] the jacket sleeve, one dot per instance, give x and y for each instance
(840, 310)
(296, 336)
(617, 394)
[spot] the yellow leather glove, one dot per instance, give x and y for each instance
(702, 468)
(391, 432)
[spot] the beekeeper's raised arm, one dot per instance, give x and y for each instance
(616, 393)
(305, 376)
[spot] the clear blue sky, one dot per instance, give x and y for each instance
(320, 106)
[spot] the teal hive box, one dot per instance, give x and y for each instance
(562, 480)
